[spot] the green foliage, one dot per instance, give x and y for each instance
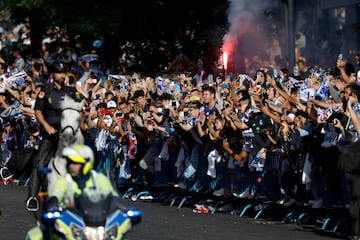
(138, 21)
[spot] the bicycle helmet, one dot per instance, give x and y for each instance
(80, 153)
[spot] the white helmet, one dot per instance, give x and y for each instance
(80, 153)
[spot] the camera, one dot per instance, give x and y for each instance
(119, 115)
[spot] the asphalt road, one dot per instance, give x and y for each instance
(164, 222)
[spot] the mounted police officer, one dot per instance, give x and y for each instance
(48, 113)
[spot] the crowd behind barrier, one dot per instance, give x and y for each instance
(273, 133)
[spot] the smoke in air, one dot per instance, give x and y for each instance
(246, 36)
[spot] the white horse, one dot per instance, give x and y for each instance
(70, 133)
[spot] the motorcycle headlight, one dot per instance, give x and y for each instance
(95, 233)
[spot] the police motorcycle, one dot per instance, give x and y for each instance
(96, 220)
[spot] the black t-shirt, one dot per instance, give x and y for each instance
(258, 124)
(304, 74)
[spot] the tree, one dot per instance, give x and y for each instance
(137, 21)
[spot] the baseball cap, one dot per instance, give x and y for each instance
(193, 104)
(111, 104)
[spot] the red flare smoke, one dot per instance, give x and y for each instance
(225, 60)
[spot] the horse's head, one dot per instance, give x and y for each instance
(70, 121)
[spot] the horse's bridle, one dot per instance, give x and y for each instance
(74, 131)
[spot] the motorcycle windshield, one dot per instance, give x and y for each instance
(94, 213)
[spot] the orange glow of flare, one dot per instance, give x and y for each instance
(225, 60)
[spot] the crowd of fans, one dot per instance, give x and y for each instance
(190, 126)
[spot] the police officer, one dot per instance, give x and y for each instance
(81, 181)
(82, 189)
(48, 113)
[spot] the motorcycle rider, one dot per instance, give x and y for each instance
(81, 180)
(82, 191)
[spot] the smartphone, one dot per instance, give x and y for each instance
(105, 111)
(340, 57)
(202, 116)
(224, 86)
(173, 103)
(119, 115)
(327, 114)
(103, 80)
(210, 78)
